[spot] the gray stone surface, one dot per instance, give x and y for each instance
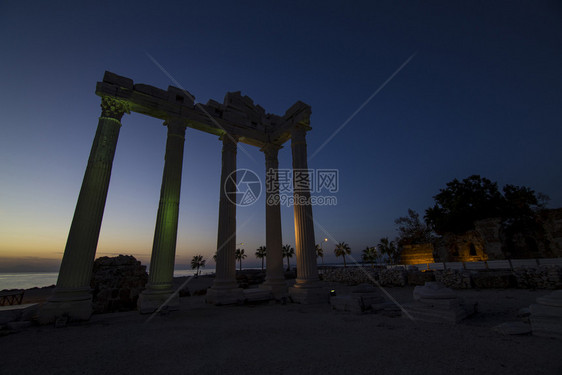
(15, 313)
(437, 304)
(546, 315)
(433, 290)
(553, 299)
(361, 300)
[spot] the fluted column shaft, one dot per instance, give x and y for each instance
(226, 238)
(77, 262)
(273, 234)
(307, 272)
(162, 260)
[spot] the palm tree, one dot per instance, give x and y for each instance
(370, 255)
(320, 252)
(288, 252)
(389, 248)
(342, 249)
(239, 254)
(261, 253)
(197, 262)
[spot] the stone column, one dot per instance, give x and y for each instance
(275, 278)
(307, 288)
(72, 295)
(225, 287)
(161, 274)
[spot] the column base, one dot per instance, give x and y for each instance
(76, 304)
(224, 296)
(278, 288)
(150, 301)
(310, 294)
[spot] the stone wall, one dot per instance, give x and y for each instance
(467, 247)
(543, 277)
(117, 283)
(493, 239)
(489, 231)
(552, 220)
(350, 275)
(417, 254)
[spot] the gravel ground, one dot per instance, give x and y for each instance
(286, 339)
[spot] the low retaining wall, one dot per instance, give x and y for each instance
(541, 277)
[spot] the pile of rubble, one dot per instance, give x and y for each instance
(117, 283)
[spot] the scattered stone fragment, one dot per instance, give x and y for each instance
(546, 315)
(435, 303)
(361, 300)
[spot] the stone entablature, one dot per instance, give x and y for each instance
(236, 115)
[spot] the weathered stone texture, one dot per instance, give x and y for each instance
(433, 302)
(467, 247)
(350, 275)
(417, 254)
(543, 277)
(458, 279)
(117, 283)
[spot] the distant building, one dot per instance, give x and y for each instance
(494, 239)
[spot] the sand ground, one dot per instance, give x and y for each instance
(286, 339)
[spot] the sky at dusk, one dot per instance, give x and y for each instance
(481, 94)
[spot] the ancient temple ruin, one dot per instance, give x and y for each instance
(236, 120)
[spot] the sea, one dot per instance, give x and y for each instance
(41, 279)
(27, 280)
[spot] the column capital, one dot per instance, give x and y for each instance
(270, 150)
(298, 133)
(176, 126)
(229, 142)
(114, 108)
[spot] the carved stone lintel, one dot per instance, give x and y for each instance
(114, 108)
